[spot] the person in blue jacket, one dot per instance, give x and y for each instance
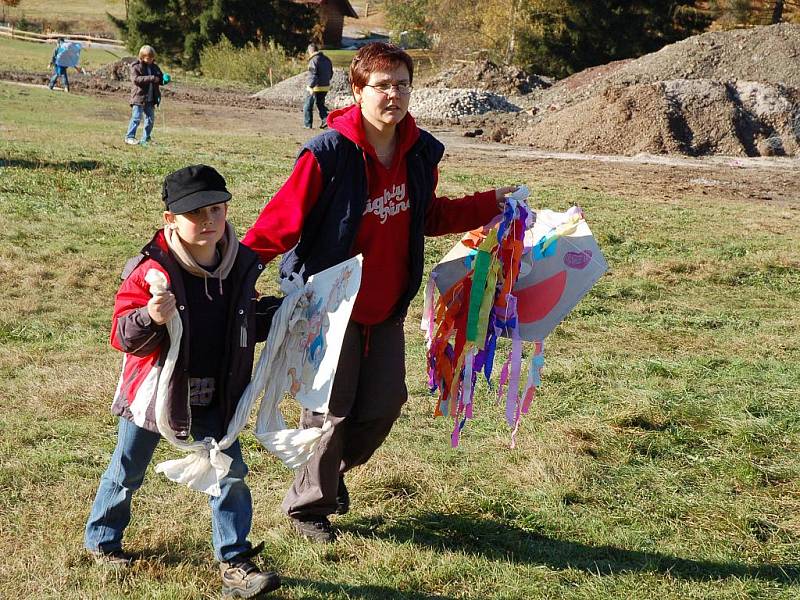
(60, 66)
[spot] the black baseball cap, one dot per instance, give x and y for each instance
(193, 187)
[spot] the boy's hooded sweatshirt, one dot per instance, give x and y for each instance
(146, 343)
(384, 227)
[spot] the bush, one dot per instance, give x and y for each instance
(250, 64)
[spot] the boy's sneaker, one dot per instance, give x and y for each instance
(324, 125)
(131, 141)
(113, 558)
(242, 579)
(316, 529)
(342, 498)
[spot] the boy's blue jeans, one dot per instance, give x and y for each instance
(231, 512)
(149, 112)
(59, 72)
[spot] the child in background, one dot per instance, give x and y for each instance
(146, 79)
(65, 55)
(212, 287)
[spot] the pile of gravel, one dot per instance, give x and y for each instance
(292, 92)
(486, 75)
(451, 104)
(436, 104)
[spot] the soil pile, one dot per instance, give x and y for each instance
(693, 117)
(732, 93)
(116, 71)
(485, 75)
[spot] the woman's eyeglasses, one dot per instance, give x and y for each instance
(404, 89)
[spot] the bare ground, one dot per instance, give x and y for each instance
(657, 177)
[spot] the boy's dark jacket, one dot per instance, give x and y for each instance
(141, 82)
(145, 343)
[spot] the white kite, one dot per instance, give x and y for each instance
(299, 358)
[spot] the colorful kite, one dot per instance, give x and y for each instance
(518, 277)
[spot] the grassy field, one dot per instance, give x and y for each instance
(69, 9)
(31, 56)
(68, 16)
(660, 459)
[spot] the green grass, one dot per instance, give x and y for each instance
(660, 459)
(70, 9)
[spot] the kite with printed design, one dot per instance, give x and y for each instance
(518, 277)
(299, 358)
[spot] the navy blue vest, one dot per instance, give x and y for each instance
(330, 228)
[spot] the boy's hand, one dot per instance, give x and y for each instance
(161, 307)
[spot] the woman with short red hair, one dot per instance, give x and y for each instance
(366, 186)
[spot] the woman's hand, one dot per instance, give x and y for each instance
(161, 307)
(500, 194)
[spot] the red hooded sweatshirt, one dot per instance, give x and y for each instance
(383, 232)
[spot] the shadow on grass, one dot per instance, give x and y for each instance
(356, 592)
(500, 541)
(67, 165)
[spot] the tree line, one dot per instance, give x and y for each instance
(181, 29)
(560, 37)
(552, 37)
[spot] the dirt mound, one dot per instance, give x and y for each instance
(693, 117)
(485, 75)
(116, 71)
(766, 54)
(733, 93)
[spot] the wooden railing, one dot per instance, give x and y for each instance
(44, 38)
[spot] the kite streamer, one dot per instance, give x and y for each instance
(517, 278)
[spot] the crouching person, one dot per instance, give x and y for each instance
(212, 287)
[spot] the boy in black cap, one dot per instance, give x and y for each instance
(212, 287)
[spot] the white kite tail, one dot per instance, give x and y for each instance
(207, 464)
(294, 447)
(203, 469)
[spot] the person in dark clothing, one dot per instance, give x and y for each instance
(212, 287)
(367, 186)
(320, 72)
(146, 81)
